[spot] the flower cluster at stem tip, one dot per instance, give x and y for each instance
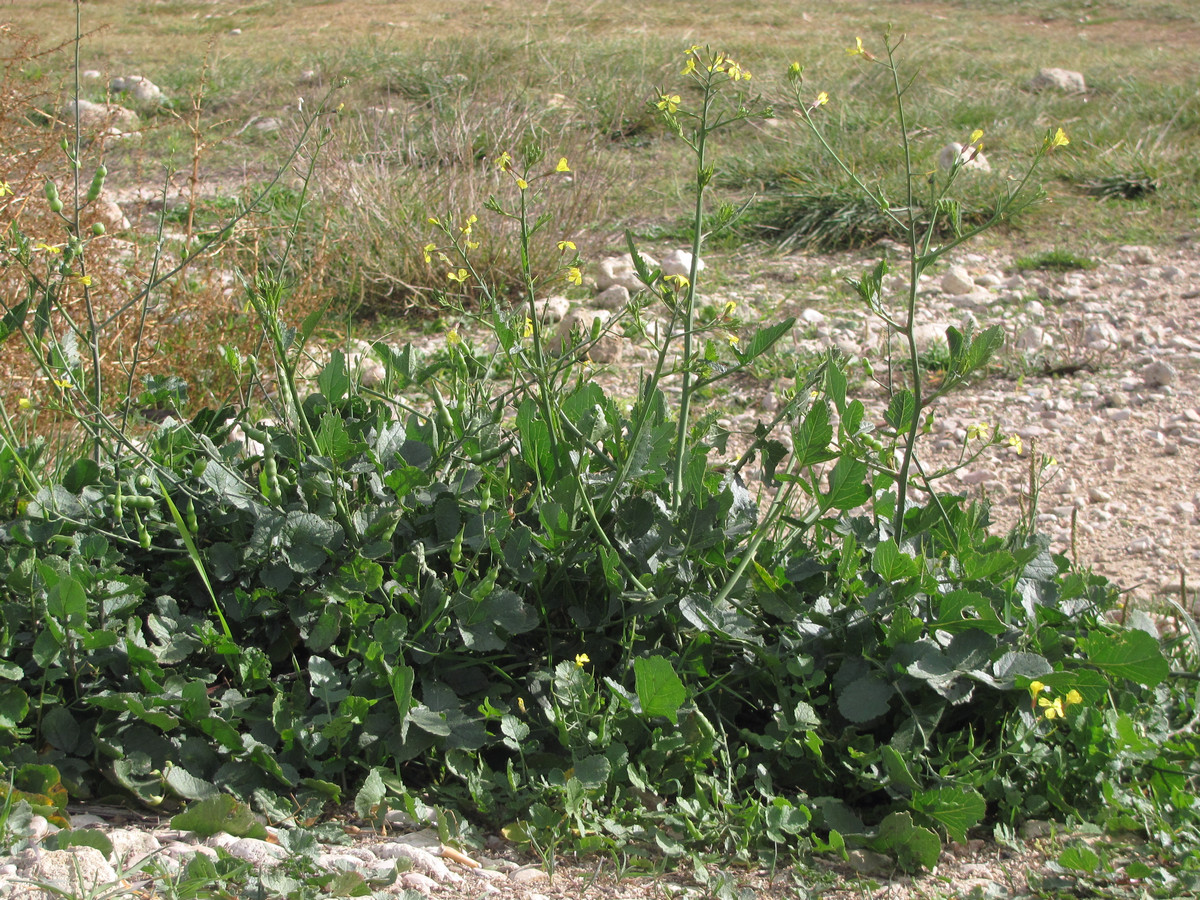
(720, 63)
(1051, 708)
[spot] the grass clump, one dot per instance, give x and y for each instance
(1056, 260)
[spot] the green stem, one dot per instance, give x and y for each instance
(685, 399)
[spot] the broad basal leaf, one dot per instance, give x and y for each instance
(658, 687)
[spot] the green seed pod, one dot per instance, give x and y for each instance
(193, 523)
(142, 533)
(143, 482)
(97, 183)
(199, 466)
(51, 191)
(56, 205)
(98, 228)
(456, 547)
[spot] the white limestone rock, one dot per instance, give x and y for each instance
(620, 270)
(608, 349)
(99, 116)
(612, 298)
(141, 90)
(679, 262)
(1064, 80)
(957, 280)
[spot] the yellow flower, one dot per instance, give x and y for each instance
(471, 220)
(504, 161)
(1036, 687)
(1014, 440)
(522, 183)
(564, 246)
(85, 280)
(521, 704)
(976, 135)
(25, 403)
(733, 340)
(1051, 709)
(978, 430)
(1073, 696)
(528, 327)
(1059, 140)
(562, 165)
(730, 306)
(677, 281)
(62, 383)
(433, 220)
(47, 247)
(574, 275)
(669, 102)
(452, 337)
(736, 72)
(460, 276)
(689, 67)
(822, 99)
(795, 73)
(1051, 461)
(857, 49)
(581, 660)
(5, 190)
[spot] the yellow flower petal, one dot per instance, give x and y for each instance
(574, 276)
(562, 165)
(582, 659)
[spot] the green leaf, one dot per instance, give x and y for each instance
(659, 689)
(333, 440)
(14, 318)
(14, 705)
(892, 565)
(309, 539)
(221, 813)
(962, 610)
(1079, 857)
(897, 769)
(80, 837)
(847, 485)
(60, 729)
(370, 795)
(955, 809)
(333, 382)
(82, 473)
(865, 698)
(67, 601)
(914, 845)
(810, 442)
(593, 772)
(763, 340)
(1129, 654)
(401, 679)
(901, 410)
(188, 786)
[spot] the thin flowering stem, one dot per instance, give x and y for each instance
(703, 176)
